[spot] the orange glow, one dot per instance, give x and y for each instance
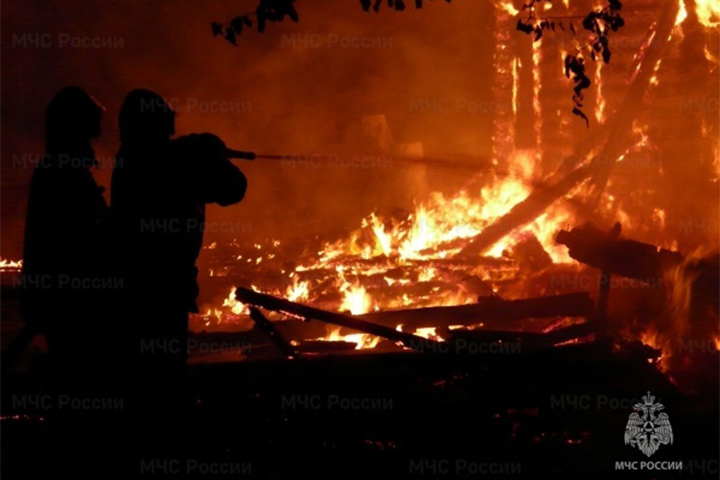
(235, 307)
(516, 83)
(708, 12)
(409, 259)
(600, 103)
(537, 88)
(507, 7)
(9, 265)
(682, 14)
(652, 339)
(362, 340)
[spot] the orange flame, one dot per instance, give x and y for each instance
(708, 12)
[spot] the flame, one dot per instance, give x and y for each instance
(299, 291)
(356, 300)
(681, 280)
(708, 12)
(600, 104)
(709, 56)
(655, 80)
(348, 269)
(516, 85)
(363, 341)
(676, 329)
(682, 14)
(537, 88)
(10, 265)
(507, 7)
(402, 261)
(237, 308)
(652, 339)
(429, 333)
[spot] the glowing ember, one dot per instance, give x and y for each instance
(235, 307)
(537, 88)
(507, 7)
(10, 265)
(600, 103)
(363, 341)
(356, 299)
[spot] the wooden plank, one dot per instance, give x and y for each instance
(488, 309)
(269, 302)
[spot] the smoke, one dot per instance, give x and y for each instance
(305, 88)
(298, 88)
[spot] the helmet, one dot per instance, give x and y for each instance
(145, 116)
(72, 117)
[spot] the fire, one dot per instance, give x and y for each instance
(516, 85)
(655, 80)
(10, 265)
(429, 333)
(235, 307)
(708, 12)
(682, 14)
(356, 300)
(507, 7)
(297, 292)
(411, 259)
(681, 281)
(537, 88)
(363, 341)
(652, 339)
(600, 104)
(679, 333)
(401, 253)
(433, 230)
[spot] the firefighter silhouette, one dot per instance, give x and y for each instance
(160, 187)
(65, 240)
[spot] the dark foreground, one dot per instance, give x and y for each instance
(556, 413)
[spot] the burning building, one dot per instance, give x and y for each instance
(496, 236)
(443, 247)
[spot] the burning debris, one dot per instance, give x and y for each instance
(10, 265)
(501, 286)
(493, 242)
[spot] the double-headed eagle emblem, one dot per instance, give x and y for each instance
(648, 426)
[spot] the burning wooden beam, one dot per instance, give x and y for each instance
(525, 339)
(618, 256)
(269, 302)
(488, 309)
(616, 145)
(575, 169)
(267, 326)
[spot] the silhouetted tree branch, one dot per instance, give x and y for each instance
(279, 10)
(600, 22)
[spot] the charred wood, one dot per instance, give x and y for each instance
(575, 168)
(267, 326)
(281, 305)
(618, 256)
(488, 309)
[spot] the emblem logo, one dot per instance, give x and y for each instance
(648, 426)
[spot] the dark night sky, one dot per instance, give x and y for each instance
(267, 95)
